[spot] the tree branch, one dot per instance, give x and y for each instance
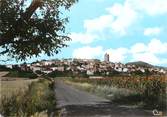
(9, 36)
(32, 8)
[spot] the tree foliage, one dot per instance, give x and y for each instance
(28, 30)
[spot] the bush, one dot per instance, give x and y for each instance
(38, 72)
(154, 94)
(39, 97)
(4, 68)
(22, 74)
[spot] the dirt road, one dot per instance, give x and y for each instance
(76, 103)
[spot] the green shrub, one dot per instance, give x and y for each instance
(22, 74)
(39, 97)
(4, 68)
(155, 94)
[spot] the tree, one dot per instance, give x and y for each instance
(26, 31)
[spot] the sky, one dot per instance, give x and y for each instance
(128, 30)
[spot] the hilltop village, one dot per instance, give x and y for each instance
(89, 67)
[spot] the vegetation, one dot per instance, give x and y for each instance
(67, 74)
(3, 68)
(39, 97)
(140, 64)
(10, 87)
(28, 30)
(150, 92)
(60, 74)
(21, 74)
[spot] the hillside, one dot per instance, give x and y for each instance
(140, 64)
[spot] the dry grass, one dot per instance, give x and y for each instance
(27, 98)
(84, 86)
(8, 88)
(105, 91)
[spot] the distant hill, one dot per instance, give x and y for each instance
(161, 67)
(140, 64)
(144, 64)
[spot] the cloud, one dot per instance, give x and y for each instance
(124, 16)
(117, 20)
(150, 52)
(146, 57)
(88, 52)
(149, 58)
(138, 52)
(98, 24)
(117, 55)
(152, 31)
(138, 48)
(119, 17)
(157, 47)
(149, 7)
(84, 38)
(141, 52)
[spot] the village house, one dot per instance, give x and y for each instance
(88, 66)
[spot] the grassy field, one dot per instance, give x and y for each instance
(11, 85)
(7, 88)
(26, 97)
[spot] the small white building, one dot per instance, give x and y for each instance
(119, 69)
(162, 71)
(89, 72)
(47, 71)
(46, 63)
(34, 68)
(61, 68)
(142, 70)
(9, 66)
(125, 69)
(53, 68)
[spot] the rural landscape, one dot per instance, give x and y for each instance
(53, 88)
(83, 58)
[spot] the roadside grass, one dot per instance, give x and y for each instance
(36, 99)
(83, 86)
(117, 95)
(150, 94)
